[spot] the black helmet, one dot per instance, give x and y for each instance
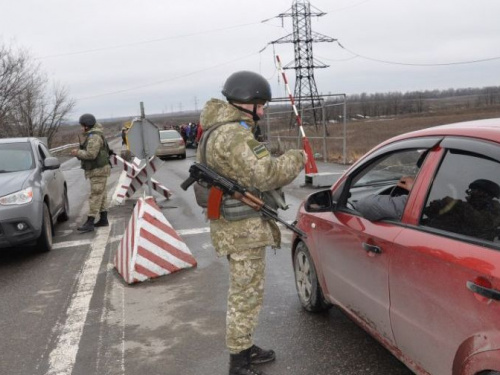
(247, 87)
(87, 120)
(487, 186)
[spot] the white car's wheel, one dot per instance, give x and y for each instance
(64, 215)
(44, 242)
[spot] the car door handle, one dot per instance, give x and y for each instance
(486, 292)
(372, 248)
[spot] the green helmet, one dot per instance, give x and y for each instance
(87, 120)
(247, 87)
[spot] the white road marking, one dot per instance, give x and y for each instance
(61, 245)
(63, 356)
(181, 232)
(188, 232)
(88, 241)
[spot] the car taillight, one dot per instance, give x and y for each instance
(181, 142)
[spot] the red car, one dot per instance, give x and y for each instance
(424, 282)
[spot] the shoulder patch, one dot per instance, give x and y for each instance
(259, 149)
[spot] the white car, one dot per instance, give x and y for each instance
(171, 144)
(33, 193)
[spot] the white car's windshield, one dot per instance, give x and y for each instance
(15, 157)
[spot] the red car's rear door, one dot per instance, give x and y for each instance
(444, 272)
(433, 310)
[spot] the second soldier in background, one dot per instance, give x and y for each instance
(94, 157)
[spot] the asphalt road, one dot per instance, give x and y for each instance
(70, 312)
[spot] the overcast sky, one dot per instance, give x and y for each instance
(175, 55)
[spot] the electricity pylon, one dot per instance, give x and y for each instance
(303, 38)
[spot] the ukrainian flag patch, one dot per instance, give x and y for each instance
(260, 150)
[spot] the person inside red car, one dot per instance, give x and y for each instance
(377, 207)
(478, 216)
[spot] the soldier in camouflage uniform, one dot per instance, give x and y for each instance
(242, 234)
(94, 156)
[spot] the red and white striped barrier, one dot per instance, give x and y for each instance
(130, 169)
(150, 246)
(134, 176)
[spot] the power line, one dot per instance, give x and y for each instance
(348, 7)
(417, 64)
(166, 80)
(156, 40)
(146, 41)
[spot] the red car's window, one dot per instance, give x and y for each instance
(374, 192)
(464, 197)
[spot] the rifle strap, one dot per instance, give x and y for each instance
(208, 197)
(204, 139)
(217, 204)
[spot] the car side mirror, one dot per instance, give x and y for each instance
(320, 201)
(51, 163)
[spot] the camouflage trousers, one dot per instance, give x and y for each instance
(98, 193)
(245, 297)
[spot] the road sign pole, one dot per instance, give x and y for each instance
(145, 147)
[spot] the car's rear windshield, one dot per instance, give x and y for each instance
(169, 135)
(15, 157)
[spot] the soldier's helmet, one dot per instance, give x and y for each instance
(247, 87)
(487, 186)
(88, 120)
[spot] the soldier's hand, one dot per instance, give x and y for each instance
(305, 156)
(74, 152)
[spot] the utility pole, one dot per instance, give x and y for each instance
(304, 64)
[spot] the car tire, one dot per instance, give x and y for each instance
(44, 242)
(306, 281)
(183, 156)
(64, 215)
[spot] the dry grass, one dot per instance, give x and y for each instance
(365, 134)
(362, 135)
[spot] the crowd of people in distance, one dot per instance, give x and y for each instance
(191, 133)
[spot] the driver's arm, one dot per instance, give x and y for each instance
(377, 207)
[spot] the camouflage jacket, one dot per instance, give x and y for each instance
(233, 152)
(94, 144)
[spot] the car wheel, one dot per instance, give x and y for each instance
(306, 281)
(44, 242)
(183, 156)
(64, 215)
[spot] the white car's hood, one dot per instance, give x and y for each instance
(13, 181)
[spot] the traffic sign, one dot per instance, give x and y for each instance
(143, 138)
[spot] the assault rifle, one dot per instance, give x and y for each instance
(200, 172)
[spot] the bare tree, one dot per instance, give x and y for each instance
(39, 113)
(13, 77)
(27, 106)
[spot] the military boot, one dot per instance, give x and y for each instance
(103, 220)
(88, 226)
(239, 364)
(259, 355)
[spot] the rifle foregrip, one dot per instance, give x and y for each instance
(186, 184)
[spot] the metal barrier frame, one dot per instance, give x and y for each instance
(324, 137)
